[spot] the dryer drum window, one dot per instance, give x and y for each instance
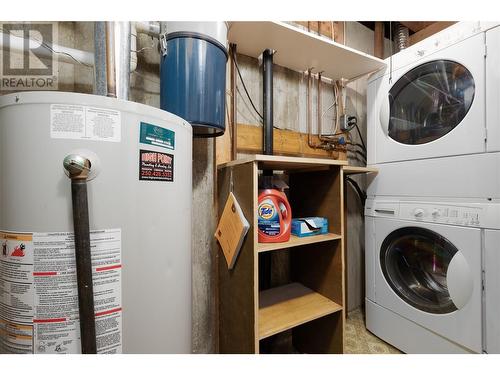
(414, 262)
(429, 101)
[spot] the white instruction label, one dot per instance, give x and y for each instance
(69, 121)
(52, 300)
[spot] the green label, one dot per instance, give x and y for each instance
(157, 136)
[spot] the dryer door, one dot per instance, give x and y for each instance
(429, 101)
(431, 274)
(434, 107)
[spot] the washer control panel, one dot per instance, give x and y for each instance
(470, 214)
(457, 215)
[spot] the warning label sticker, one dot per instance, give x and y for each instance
(16, 293)
(156, 166)
(50, 320)
(83, 122)
(157, 136)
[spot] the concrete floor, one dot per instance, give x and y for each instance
(358, 340)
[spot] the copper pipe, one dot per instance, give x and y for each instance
(319, 105)
(329, 143)
(310, 142)
(309, 108)
(320, 114)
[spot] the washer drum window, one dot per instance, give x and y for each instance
(426, 270)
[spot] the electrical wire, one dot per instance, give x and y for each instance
(245, 87)
(47, 46)
(359, 191)
(358, 152)
(360, 136)
(355, 144)
(153, 45)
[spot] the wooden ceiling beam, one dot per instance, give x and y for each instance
(429, 30)
(416, 26)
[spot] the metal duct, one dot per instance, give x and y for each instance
(100, 87)
(118, 59)
(401, 36)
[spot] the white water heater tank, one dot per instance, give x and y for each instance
(139, 200)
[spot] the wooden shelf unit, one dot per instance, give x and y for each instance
(309, 305)
(297, 241)
(289, 306)
(300, 50)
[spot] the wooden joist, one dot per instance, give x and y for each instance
(331, 29)
(378, 49)
(428, 31)
(416, 26)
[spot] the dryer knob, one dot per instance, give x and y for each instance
(435, 214)
(418, 212)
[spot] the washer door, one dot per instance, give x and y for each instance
(426, 270)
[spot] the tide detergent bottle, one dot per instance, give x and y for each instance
(274, 216)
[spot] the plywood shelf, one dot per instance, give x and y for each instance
(289, 306)
(300, 50)
(289, 163)
(351, 169)
(297, 241)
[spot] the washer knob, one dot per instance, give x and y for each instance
(435, 213)
(418, 212)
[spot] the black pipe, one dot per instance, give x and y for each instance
(83, 265)
(267, 84)
(267, 75)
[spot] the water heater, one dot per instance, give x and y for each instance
(139, 201)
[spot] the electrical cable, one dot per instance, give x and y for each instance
(355, 144)
(245, 87)
(153, 44)
(360, 136)
(359, 191)
(246, 92)
(54, 51)
(358, 152)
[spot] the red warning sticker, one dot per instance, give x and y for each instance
(156, 166)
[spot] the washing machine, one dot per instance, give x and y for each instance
(430, 101)
(424, 274)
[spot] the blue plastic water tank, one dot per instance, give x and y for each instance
(193, 81)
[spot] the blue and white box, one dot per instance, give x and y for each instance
(309, 226)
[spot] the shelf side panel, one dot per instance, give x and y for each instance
(237, 310)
